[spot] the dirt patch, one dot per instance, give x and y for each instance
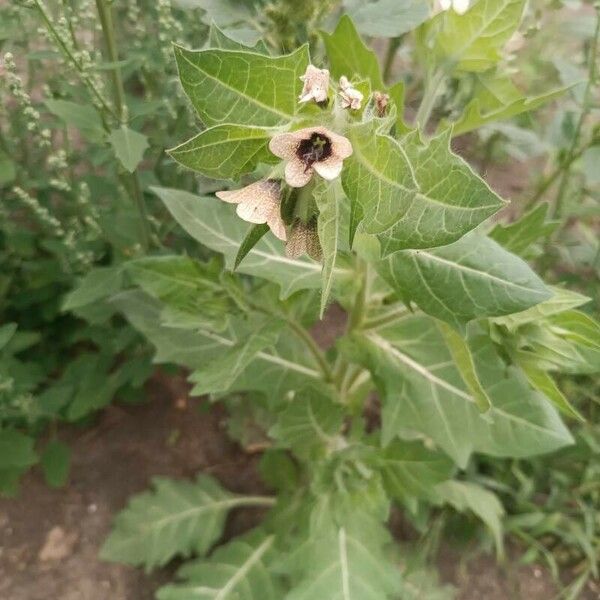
(49, 539)
(170, 435)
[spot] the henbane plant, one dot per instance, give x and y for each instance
(336, 198)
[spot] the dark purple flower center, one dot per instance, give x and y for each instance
(314, 149)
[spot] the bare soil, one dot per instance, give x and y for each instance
(49, 539)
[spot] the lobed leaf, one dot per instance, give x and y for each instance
(216, 225)
(422, 391)
(472, 278)
(414, 195)
(238, 570)
(234, 86)
(472, 41)
(175, 519)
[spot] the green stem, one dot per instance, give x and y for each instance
(585, 109)
(69, 55)
(390, 55)
(386, 319)
(112, 54)
(255, 501)
(357, 313)
(430, 95)
(313, 348)
(106, 22)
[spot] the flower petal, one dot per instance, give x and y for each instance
(330, 168)
(284, 145)
(276, 224)
(297, 174)
(340, 145)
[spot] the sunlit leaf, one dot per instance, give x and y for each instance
(232, 86)
(472, 278)
(225, 151)
(414, 195)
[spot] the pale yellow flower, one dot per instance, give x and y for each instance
(304, 239)
(259, 202)
(351, 97)
(309, 150)
(316, 84)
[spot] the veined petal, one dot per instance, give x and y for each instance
(284, 145)
(297, 174)
(330, 168)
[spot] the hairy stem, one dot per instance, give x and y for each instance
(313, 348)
(585, 110)
(390, 317)
(112, 54)
(430, 95)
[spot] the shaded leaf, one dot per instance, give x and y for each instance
(255, 233)
(216, 225)
(97, 284)
(176, 518)
(472, 278)
(464, 495)
(56, 462)
(422, 391)
(311, 422)
(16, 450)
(387, 18)
(129, 146)
(348, 55)
(238, 570)
(220, 374)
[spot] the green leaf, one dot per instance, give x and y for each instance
(461, 355)
(472, 278)
(286, 367)
(519, 236)
(218, 39)
(410, 470)
(8, 169)
(83, 116)
(329, 199)
(412, 195)
(310, 423)
(475, 115)
(543, 382)
(225, 151)
(347, 562)
(129, 146)
(190, 289)
(177, 518)
(254, 235)
(220, 374)
(387, 18)
(215, 224)
(237, 571)
(97, 284)
(55, 463)
(422, 391)
(560, 301)
(472, 42)
(16, 450)
(6, 333)
(348, 55)
(234, 17)
(232, 86)
(463, 495)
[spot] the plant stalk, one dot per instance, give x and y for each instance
(556, 210)
(112, 53)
